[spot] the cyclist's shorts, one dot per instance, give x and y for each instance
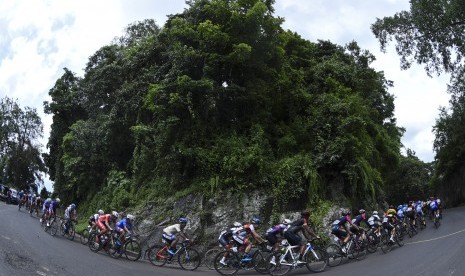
(101, 225)
(293, 238)
(168, 238)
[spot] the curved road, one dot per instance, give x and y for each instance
(25, 249)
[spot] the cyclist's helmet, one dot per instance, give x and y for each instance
(375, 212)
(130, 217)
(286, 221)
(348, 213)
(255, 220)
(101, 212)
(183, 220)
(391, 206)
(73, 206)
(400, 207)
(57, 200)
(237, 224)
(419, 202)
(361, 211)
(115, 214)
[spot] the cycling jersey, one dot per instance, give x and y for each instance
(101, 221)
(400, 213)
(341, 221)
(358, 219)
(226, 235)
(120, 225)
(53, 206)
(273, 232)
(47, 203)
(240, 236)
(372, 221)
(297, 225)
(433, 205)
(69, 211)
(169, 233)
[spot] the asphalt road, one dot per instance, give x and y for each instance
(25, 249)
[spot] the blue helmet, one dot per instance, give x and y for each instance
(255, 220)
(419, 202)
(399, 207)
(73, 206)
(182, 220)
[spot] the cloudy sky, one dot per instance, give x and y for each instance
(39, 38)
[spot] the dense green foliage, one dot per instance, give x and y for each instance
(21, 164)
(222, 98)
(432, 33)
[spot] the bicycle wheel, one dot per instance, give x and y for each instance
(71, 232)
(259, 261)
(53, 227)
(189, 258)
(399, 242)
(334, 255)
(132, 250)
(359, 251)
(94, 245)
(158, 256)
(84, 236)
(373, 242)
(229, 265)
(278, 264)
(316, 260)
(209, 257)
(385, 243)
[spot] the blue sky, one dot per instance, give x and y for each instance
(39, 38)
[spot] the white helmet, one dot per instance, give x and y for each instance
(101, 212)
(115, 214)
(130, 217)
(237, 224)
(286, 221)
(57, 200)
(375, 212)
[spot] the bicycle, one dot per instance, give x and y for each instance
(108, 242)
(50, 226)
(387, 243)
(235, 260)
(131, 248)
(188, 257)
(353, 249)
(67, 229)
(281, 262)
(437, 222)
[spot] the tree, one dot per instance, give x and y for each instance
(21, 162)
(431, 33)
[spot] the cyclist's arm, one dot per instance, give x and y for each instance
(257, 237)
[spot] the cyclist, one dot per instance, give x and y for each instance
(410, 214)
(434, 206)
(103, 222)
(340, 228)
(45, 207)
(389, 220)
(240, 237)
(275, 234)
(374, 222)
(125, 226)
(20, 199)
(94, 219)
(54, 205)
(301, 225)
(70, 215)
(170, 237)
(357, 223)
(420, 214)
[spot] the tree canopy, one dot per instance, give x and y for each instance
(221, 98)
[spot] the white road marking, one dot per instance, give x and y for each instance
(442, 237)
(6, 238)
